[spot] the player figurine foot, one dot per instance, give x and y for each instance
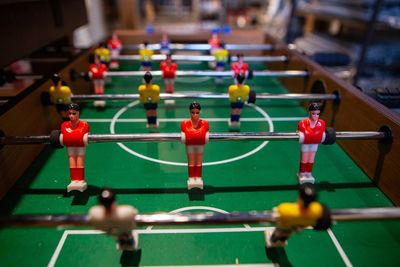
(99, 103)
(169, 102)
(196, 182)
(305, 178)
(128, 242)
(77, 185)
(234, 126)
(272, 240)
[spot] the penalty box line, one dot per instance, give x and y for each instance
(190, 231)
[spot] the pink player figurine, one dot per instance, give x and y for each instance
(168, 68)
(194, 133)
(239, 67)
(312, 133)
(97, 72)
(73, 136)
(115, 47)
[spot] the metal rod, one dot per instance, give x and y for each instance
(158, 137)
(206, 96)
(363, 214)
(204, 58)
(266, 73)
(203, 47)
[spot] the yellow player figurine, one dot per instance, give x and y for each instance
(149, 96)
(60, 95)
(145, 57)
(221, 59)
(103, 53)
(306, 212)
(238, 94)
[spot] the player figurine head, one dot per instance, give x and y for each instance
(307, 194)
(107, 198)
(240, 78)
(314, 110)
(148, 77)
(74, 112)
(55, 78)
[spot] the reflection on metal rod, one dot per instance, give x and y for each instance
(266, 73)
(197, 58)
(203, 47)
(158, 137)
(197, 218)
(206, 96)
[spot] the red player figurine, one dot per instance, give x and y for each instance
(213, 42)
(239, 67)
(74, 136)
(312, 133)
(97, 72)
(115, 46)
(168, 68)
(195, 135)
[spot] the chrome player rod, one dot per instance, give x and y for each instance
(205, 96)
(180, 73)
(204, 58)
(158, 137)
(363, 214)
(201, 47)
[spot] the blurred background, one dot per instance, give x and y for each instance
(357, 40)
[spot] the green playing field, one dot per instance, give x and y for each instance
(238, 176)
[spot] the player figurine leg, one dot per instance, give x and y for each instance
(277, 237)
(169, 89)
(311, 132)
(74, 137)
(151, 113)
(194, 134)
(195, 161)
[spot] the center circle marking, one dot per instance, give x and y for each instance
(129, 150)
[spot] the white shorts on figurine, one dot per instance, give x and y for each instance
(76, 151)
(308, 147)
(194, 149)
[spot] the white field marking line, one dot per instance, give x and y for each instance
(184, 164)
(339, 248)
(58, 249)
(223, 265)
(198, 208)
(187, 231)
(209, 119)
(66, 233)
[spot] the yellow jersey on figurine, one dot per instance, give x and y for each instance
(103, 53)
(221, 55)
(145, 54)
(60, 95)
(149, 93)
(238, 92)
